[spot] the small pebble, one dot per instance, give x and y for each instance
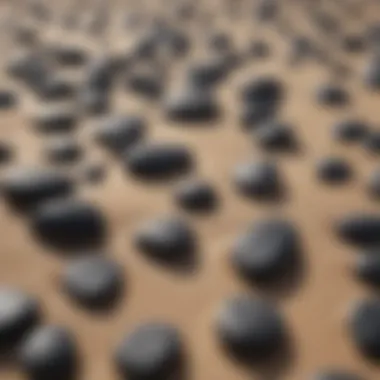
(267, 251)
(157, 161)
(119, 133)
(350, 130)
(8, 99)
(267, 91)
(250, 327)
(364, 325)
(367, 268)
(93, 173)
(49, 352)
(68, 55)
(333, 170)
(69, 224)
(55, 120)
(353, 43)
(259, 49)
(256, 114)
(192, 105)
(6, 153)
(94, 102)
(195, 196)
(257, 179)
(19, 313)
(166, 239)
(360, 229)
(24, 188)
(275, 136)
(372, 142)
(332, 95)
(146, 83)
(371, 75)
(151, 351)
(63, 150)
(93, 282)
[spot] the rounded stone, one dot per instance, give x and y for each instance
(55, 120)
(332, 95)
(63, 150)
(69, 224)
(166, 238)
(25, 188)
(49, 352)
(19, 313)
(372, 142)
(266, 251)
(257, 179)
(350, 130)
(250, 327)
(119, 133)
(263, 90)
(8, 99)
(333, 170)
(367, 268)
(93, 282)
(195, 196)
(158, 160)
(151, 351)
(364, 325)
(275, 136)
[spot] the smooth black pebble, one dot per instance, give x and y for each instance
(333, 170)
(68, 55)
(55, 120)
(153, 351)
(267, 251)
(255, 114)
(350, 130)
(362, 229)
(192, 104)
(196, 196)
(158, 161)
(19, 313)
(166, 239)
(250, 328)
(24, 188)
(364, 326)
(367, 268)
(258, 179)
(265, 91)
(69, 224)
(94, 282)
(63, 150)
(332, 95)
(49, 352)
(119, 133)
(275, 136)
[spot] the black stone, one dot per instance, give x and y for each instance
(258, 179)
(68, 55)
(55, 120)
(275, 136)
(63, 150)
(19, 313)
(93, 282)
(146, 83)
(25, 188)
(353, 43)
(100, 74)
(49, 352)
(94, 102)
(250, 327)
(332, 95)
(333, 170)
(158, 161)
(69, 224)
(6, 152)
(371, 75)
(119, 133)
(266, 10)
(335, 375)
(364, 324)
(267, 251)
(372, 142)
(360, 229)
(367, 268)
(153, 351)
(57, 88)
(8, 99)
(267, 91)
(207, 73)
(253, 115)
(259, 49)
(350, 130)
(196, 196)
(192, 105)
(166, 239)
(374, 184)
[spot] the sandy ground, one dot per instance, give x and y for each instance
(315, 304)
